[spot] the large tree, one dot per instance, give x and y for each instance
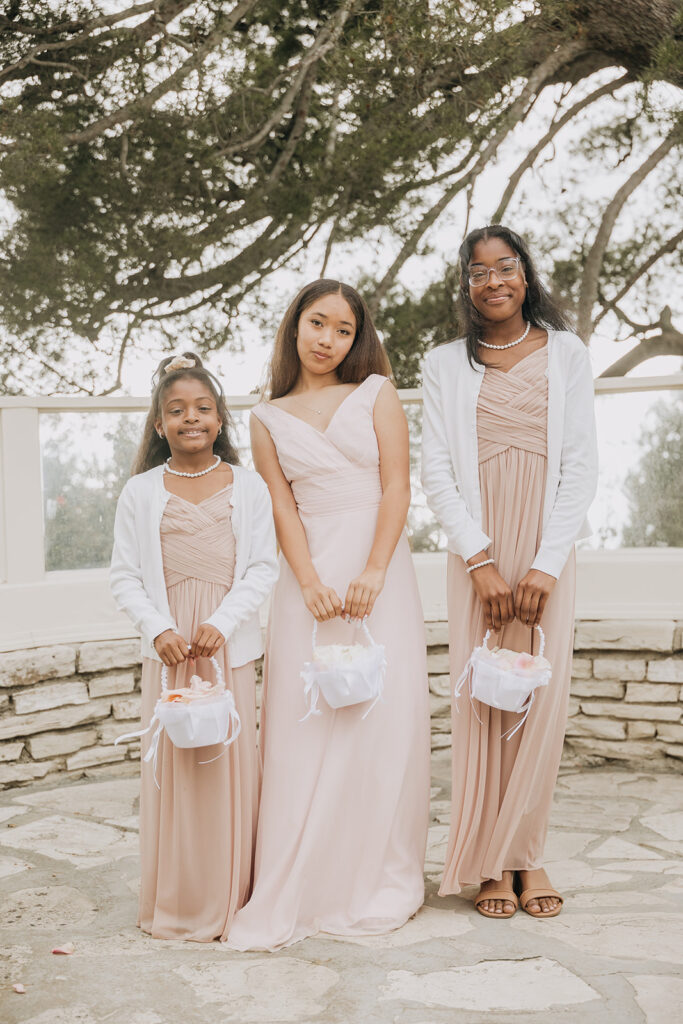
(162, 160)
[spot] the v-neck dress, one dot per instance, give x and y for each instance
(502, 789)
(197, 830)
(344, 800)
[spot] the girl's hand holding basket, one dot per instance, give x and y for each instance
(207, 641)
(532, 596)
(495, 595)
(363, 592)
(322, 602)
(171, 647)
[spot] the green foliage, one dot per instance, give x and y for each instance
(654, 491)
(80, 491)
(159, 168)
(413, 324)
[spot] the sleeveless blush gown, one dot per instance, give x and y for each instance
(345, 800)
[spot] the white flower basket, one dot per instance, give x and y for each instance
(199, 715)
(344, 674)
(505, 679)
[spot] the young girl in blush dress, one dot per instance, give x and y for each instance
(344, 801)
(194, 558)
(510, 469)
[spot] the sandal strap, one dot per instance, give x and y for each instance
(497, 894)
(538, 894)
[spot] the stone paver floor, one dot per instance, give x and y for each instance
(68, 873)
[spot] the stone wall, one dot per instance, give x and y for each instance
(62, 707)
(626, 700)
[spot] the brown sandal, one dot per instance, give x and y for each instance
(538, 894)
(495, 894)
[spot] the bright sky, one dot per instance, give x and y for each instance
(620, 422)
(537, 194)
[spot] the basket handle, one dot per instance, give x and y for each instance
(220, 678)
(540, 633)
(363, 625)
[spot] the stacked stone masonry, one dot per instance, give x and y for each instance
(62, 707)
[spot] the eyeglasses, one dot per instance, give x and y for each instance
(504, 270)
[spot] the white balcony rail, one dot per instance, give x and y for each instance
(38, 607)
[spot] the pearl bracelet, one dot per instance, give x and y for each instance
(478, 565)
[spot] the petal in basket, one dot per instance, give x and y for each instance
(199, 715)
(344, 674)
(505, 679)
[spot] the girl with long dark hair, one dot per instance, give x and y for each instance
(344, 800)
(510, 469)
(194, 558)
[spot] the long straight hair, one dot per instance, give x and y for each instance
(539, 308)
(154, 450)
(365, 357)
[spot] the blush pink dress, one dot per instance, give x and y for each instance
(197, 830)
(345, 800)
(502, 789)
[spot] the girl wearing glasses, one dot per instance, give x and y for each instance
(510, 469)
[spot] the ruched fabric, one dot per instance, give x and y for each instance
(502, 789)
(197, 830)
(330, 494)
(345, 800)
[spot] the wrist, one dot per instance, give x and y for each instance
(375, 567)
(478, 565)
(309, 580)
(480, 556)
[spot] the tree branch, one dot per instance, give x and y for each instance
(29, 354)
(648, 348)
(323, 44)
(147, 101)
(328, 246)
(132, 322)
(515, 113)
(298, 126)
(555, 127)
(162, 14)
(669, 342)
(669, 246)
(591, 269)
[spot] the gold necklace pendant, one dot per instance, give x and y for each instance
(310, 408)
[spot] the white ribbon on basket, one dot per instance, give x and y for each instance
(153, 751)
(310, 671)
(467, 672)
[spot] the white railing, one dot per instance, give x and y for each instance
(38, 607)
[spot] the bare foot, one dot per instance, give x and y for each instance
(491, 905)
(538, 879)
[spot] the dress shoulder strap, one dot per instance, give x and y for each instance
(371, 387)
(262, 412)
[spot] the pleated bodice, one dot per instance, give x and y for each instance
(197, 541)
(512, 411)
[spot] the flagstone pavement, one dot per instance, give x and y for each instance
(68, 873)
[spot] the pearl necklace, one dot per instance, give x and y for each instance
(510, 344)
(202, 472)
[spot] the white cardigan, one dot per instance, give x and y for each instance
(450, 465)
(137, 574)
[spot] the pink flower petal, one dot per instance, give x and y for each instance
(19, 988)
(64, 950)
